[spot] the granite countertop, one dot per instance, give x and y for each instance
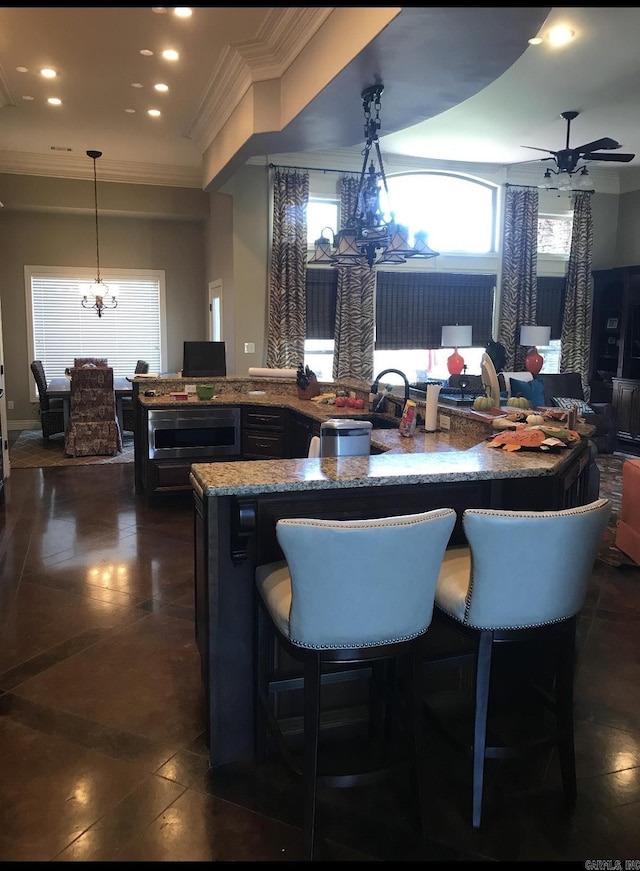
(426, 457)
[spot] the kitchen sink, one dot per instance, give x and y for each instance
(379, 421)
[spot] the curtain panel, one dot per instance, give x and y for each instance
(354, 327)
(518, 288)
(576, 326)
(412, 307)
(287, 274)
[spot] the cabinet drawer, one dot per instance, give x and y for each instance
(170, 475)
(262, 445)
(264, 418)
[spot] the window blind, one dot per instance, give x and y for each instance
(321, 294)
(63, 329)
(412, 307)
(550, 303)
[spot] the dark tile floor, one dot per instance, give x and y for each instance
(101, 712)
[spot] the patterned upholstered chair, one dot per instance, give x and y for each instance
(93, 424)
(90, 361)
(51, 410)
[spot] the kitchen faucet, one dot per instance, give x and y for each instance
(374, 387)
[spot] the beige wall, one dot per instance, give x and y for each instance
(628, 238)
(35, 232)
(250, 191)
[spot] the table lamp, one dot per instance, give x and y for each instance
(456, 337)
(532, 336)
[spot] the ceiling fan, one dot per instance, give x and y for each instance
(567, 158)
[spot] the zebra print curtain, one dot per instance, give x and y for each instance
(287, 274)
(354, 332)
(576, 325)
(518, 292)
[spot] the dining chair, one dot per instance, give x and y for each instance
(142, 368)
(90, 361)
(349, 592)
(93, 427)
(51, 411)
(521, 580)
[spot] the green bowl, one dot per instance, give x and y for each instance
(205, 391)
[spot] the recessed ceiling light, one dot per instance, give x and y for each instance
(161, 87)
(48, 73)
(561, 35)
(136, 85)
(155, 113)
(130, 111)
(54, 101)
(146, 52)
(535, 40)
(159, 10)
(22, 69)
(170, 54)
(26, 97)
(182, 12)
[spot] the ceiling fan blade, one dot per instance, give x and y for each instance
(619, 158)
(538, 149)
(598, 145)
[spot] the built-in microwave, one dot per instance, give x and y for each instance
(193, 433)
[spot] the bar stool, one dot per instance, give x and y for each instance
(348, 592)
(522, 578)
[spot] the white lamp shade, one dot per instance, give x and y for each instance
(533, 336)
(456, 336)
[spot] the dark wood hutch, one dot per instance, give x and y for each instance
(615, 345)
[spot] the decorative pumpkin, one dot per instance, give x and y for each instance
(535, 419)
(482, 403)
(518, 402)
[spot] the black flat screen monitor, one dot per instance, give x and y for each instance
(204, 360)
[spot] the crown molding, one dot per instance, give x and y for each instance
(283, 35)
(67, 166)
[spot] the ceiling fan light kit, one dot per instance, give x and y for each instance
(570, 172)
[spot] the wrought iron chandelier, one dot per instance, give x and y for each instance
(98, 295)
(368, 237)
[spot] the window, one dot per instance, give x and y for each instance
(554, 233)
(320, 214)
(460, 217)
(60, 329)
(458, 214)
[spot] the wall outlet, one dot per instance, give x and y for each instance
(190, 388)
(10, 405)
(249, 347)
(445, 422)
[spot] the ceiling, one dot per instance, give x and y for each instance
(460, 83)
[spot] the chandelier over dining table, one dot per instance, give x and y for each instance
(368, 237)
(98, 296)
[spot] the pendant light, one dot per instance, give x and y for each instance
(98, 295)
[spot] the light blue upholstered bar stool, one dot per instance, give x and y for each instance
(348, 592)
(522, 578)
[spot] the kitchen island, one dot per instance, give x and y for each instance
(237, 505)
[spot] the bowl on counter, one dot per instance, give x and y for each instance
(205, 391)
